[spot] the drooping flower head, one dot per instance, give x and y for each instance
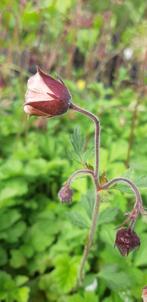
(65, 194)
(46, 96)
(126, 240)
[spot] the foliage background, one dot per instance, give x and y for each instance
(99, 49)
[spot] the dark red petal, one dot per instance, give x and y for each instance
(58, 88)
(36, 112)
(126, 240)
(54, 97)
(123, 250)
(52, 107)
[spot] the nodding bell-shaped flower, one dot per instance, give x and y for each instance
(126, 241)
(65, 194)
(46, 96)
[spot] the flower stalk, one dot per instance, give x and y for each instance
(49, 97)
(138, 206)
(128, 234)
(89, 240)
(95, 176)
(97, 136)
(79, 173)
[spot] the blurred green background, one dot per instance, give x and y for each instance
(100, 49)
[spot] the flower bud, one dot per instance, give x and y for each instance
(126, 241)
(46, 96)
(65, 194)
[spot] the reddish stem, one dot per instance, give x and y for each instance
(97, 137)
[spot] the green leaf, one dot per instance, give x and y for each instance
(36, 167)
(78, 144)
(78, 220)
(62, 8)
(40, 262)
(13, 188)
(118, 150)
(23, 294)
(3, 256)
(141, 181)
(107, 234)
(65, 273)
(8, 218)
(17, 231)
(17, 259)
(30, 18)
(87, 203)
(108, 300)
(7, 287)
(21, 280)
(107, 216)
(140, 255)
(41, 234)
(87, 297)
(114, 278)
(11, 168)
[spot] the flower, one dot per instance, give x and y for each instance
(126, 240)
(65, 194)
(46, 96)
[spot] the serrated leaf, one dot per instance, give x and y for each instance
(65, 273)
(36, 167)
(78, 143)
(41, 234)
(77, 140)
(107, 216)
(88, 203)
(78, 220)
(11, 168)
(115, 279)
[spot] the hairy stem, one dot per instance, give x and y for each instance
(93, 224)
(78, 173)
(95, 176)
(89, 239)
(138, 204)
(97, 136)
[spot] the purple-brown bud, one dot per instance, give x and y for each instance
(65, 194)
(126, 241)
(46, 96)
